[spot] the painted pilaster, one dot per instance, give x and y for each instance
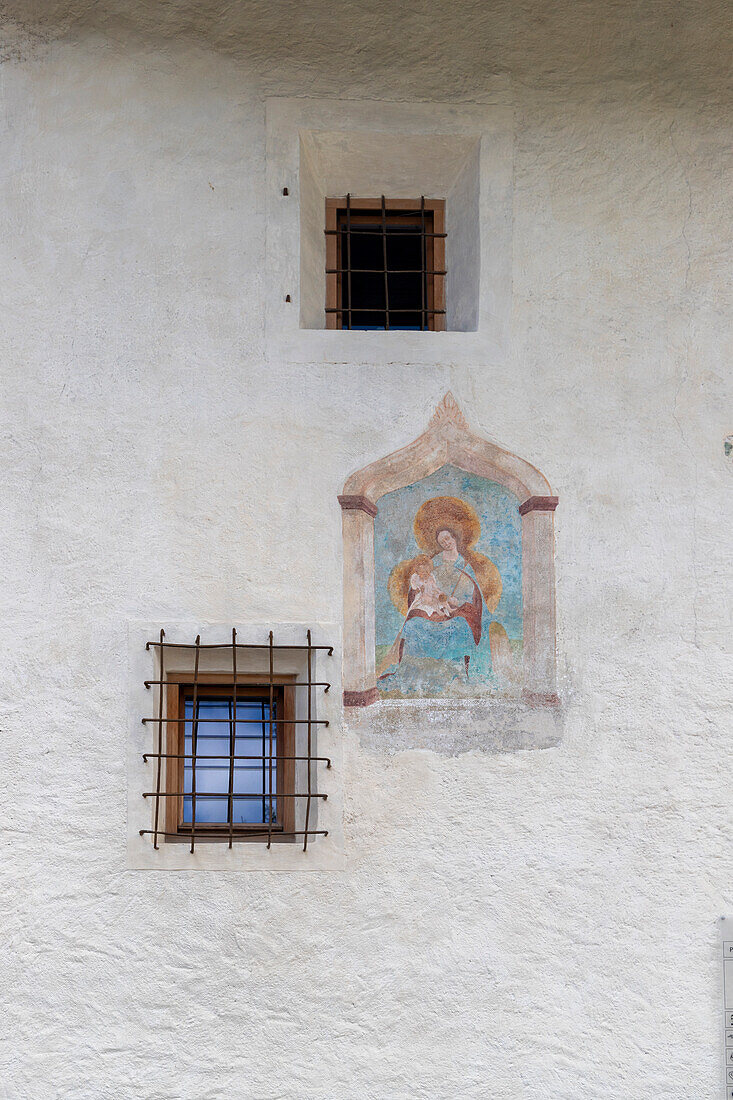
(360, 681)
(538, 593)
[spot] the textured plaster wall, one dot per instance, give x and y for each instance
(509, 925)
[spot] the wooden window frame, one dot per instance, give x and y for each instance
(179, 687)
(435, 249)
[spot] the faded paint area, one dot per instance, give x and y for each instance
(524, 923)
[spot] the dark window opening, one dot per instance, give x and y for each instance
(385, 264)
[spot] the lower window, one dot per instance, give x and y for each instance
(229, 758)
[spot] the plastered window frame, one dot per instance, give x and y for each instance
(463, 153)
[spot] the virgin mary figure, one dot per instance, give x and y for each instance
(442, 592)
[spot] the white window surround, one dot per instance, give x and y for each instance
(319, 146)
(324, 853)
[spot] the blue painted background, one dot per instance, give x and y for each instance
(500, 540)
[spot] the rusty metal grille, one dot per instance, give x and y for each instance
(271, 760)
(387, 264)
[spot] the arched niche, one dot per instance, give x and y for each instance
(449, 441)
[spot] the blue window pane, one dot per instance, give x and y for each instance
(251, 778)
(209, 811)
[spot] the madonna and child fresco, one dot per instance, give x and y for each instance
(448, 588)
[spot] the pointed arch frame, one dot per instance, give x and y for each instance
(448, 440)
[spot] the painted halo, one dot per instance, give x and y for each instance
(446, 513)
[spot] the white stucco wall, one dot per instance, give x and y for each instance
(508, 924)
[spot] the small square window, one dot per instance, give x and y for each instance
(385, 263)
(229, 758)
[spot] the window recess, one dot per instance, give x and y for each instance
(385, 263)
(235, 753)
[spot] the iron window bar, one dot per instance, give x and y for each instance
(344, 269)
(424, 262)
(378, 271)
(365, 309)
(232, 740)
(270, 758)
(239, 833)
(240, 645)
(225, 756)
(348, 256)
(194, 741)
(269, 715)
(297, 684)
(240, 721)
(364, 231)
(218, 794)
(386, 266)
(310, 732)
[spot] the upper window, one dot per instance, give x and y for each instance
(385, 263)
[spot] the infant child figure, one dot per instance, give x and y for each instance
(428, 596)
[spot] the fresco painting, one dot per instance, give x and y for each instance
(448, 589)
